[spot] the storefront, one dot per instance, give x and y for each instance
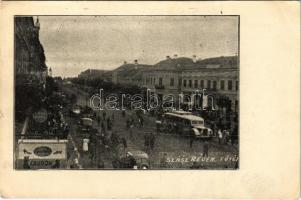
(41, 154)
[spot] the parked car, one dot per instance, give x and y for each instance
(202, 132)
(75, 111)
(87, 112)
(132, 160)
(86, 124)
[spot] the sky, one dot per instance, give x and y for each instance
(75, 43)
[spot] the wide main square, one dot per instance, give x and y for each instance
(126, 92)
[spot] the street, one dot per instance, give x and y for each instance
(174, 149)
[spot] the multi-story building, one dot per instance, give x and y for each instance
(29, 52)
(184, 76)
(129, 73)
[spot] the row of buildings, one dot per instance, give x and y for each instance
(181, 75)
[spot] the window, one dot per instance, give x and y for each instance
(222, 85)
(151, 80)
(185, 83)
(195, 83)
(160, 81)
(180, 81)
(154, 81)
(202, 84)
(236, 86)
(190, 83)
(172, 81)
(229, 85)
(214, 85)
(209, 84)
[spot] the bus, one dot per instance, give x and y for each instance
(181, 112)
(184, 124)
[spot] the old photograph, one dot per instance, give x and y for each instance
(135, 92)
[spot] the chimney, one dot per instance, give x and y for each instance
(136, 62)
(194, 58)
(175, 56)
(167, 57)
(124, 62)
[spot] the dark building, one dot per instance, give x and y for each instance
(29, 52)
(96, 73)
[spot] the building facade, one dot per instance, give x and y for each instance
(185, 76)
(29, 52)
(129, 73)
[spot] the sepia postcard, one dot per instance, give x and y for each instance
(181, 101)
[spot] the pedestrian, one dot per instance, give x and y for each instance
(26, 163)
(114, 139)
(108, 121)
(127, 124)
(100, 163)
(85, 144)
(206, 149)
(131, 130)
(191, 141)
(56, 164)
(103, 126)
(132, 121)
(66, 131)
(141, 121)
(123, 141)
(195, 165)
(224, 136)
(227, 137)
(146, 140)
(220, 136)
(163, 161)
(152, 140)
(98, 119)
